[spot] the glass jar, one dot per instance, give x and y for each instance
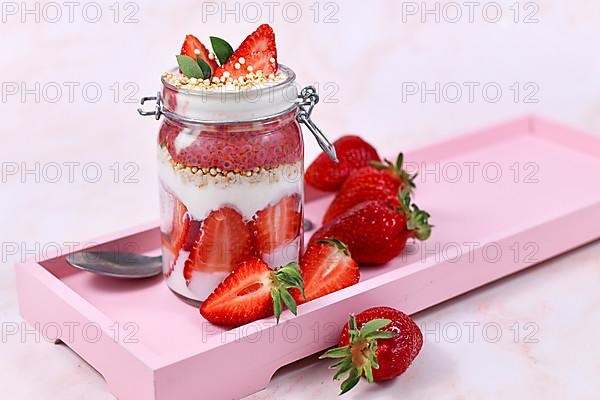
(230, 166)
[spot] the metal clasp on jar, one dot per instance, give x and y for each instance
(157, 107)
(306, 102)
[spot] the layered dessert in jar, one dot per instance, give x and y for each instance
(230, 163)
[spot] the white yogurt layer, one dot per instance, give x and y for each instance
(167, 205)
(228, 103)
(201, 285)
(202, 194)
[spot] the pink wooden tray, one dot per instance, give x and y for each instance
(150, 345)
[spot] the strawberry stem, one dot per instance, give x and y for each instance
(359, 357)
(416, 219)
(282, 280)
(408, 181)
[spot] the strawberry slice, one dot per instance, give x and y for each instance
(277, 224)
(193, 47)
(251, 292)
(326, 267)
(263, 61)
(258, 51)
(180, 221)
(223, 241)
(182, 233)
(262, 39)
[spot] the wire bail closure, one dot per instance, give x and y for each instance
(308, 98)
(157, 107)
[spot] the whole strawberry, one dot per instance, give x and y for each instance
(353, 153)
(375, 232)
(379, 343)
(378, 181)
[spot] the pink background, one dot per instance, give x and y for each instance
(366, 55)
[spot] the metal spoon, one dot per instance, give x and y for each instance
(123, 264)
(116, 264)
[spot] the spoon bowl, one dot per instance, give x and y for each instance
(116, 264)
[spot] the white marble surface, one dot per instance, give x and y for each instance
(560, 54)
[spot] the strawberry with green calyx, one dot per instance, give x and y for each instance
(397, 170)
(379, 343)
(374, 232)
(252, 291)
(418, 220)
(378, 181)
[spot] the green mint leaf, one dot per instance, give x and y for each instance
(189, 67)
(221, 48)
(206, 72)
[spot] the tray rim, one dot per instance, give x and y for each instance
(31, 266)
(529, 124)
